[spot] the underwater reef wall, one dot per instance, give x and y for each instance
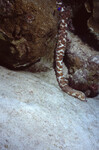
(28, 35)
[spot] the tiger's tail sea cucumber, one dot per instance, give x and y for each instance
(65, 15)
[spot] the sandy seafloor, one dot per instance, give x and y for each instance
(36, 115)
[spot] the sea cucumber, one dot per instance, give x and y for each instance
(65, 16)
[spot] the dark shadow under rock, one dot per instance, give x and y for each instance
(84, 22)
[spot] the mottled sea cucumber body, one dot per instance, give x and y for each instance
(65, 16)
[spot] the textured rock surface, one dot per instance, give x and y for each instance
(27, 31)
(36, 115)
(83, 64)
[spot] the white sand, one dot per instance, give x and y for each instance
(36, 115)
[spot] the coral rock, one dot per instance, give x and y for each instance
(27, 31)
(83, 66)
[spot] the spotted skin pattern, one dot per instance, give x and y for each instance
(65, 15)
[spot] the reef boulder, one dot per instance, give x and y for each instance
(27, 31)
(83, 66)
